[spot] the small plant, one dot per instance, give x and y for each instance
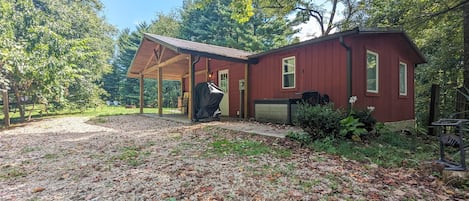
(365, 117)
(132, 155)
(352, 127)
(358, 123)
(302, 137)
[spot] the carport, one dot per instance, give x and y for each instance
(165, 58)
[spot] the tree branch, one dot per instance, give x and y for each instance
(460, 4)
(331, 18)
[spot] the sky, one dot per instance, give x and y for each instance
(129, 13)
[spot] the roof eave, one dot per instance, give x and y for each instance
(308, 42)
(133, 59)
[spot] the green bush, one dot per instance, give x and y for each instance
(318, 121)
(351, 127)
(301, 137)
(365, 117)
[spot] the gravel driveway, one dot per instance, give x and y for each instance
(140, 158)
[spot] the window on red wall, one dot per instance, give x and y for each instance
(288, 73)
(372, 72)
(402, 79)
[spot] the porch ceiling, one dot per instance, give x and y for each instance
(146, 61)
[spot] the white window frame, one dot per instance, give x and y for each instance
(289, 73)
(377, 72)
(402, 64)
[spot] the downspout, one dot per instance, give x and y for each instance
(197, 59)
(349, 70)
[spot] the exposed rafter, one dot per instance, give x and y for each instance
(161, 54)
(169, 61)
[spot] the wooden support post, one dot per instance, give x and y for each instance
(207, 69)
(141, 93)
(190, 90)
(434, 108)
(6, 109)
(160, 92)
(246, 91)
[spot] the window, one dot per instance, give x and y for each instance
(288, 73)
(372, 72)
(402, 79)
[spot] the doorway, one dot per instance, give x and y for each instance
(223, 83)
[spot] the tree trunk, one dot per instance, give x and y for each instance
(466, 51)
(466, 44)
(31, 112)
(19, 103)
(6, 109)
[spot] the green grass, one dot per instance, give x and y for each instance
(99, 111)
(245, 148)
(133, 155)
(388, 150)
(9, 172)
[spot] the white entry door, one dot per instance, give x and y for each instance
(223, 83)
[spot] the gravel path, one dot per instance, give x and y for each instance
(140, 158)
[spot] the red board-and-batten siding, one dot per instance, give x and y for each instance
(392, 49)
(319, 67)
(322, 67)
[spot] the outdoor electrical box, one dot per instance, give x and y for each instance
(241, 85)
(241, 99)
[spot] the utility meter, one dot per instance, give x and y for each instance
(241, 85)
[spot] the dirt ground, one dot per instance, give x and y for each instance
(141, 158)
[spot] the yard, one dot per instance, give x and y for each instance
(133, 157)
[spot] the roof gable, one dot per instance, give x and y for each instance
(201, 49)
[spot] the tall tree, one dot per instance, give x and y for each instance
(328, 14)
(54, 45)
(437, 28)
(127, 44)
(211, 22)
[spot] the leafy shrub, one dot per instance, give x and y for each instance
(351, 127)
(318, 121)
(365, 117)
(301, 137)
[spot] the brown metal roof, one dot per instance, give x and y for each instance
(356, 31)
(200, 49)
(174, 60)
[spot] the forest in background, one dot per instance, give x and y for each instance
(63, 54)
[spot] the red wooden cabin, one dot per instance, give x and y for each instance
(376, 65)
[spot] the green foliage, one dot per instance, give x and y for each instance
(49, 46)
(351, 126)
(301, 137)
(387, 150)
(318, 121)
(239, 147)
(132, 155)
(325, 15)
(438, 34)
(126, 90)
(245, 148)
(365, 117)
(210, 22)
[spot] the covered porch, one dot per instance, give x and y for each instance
(165, 58)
